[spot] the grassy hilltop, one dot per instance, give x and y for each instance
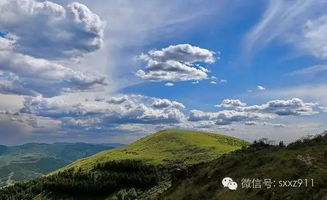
(167, 147)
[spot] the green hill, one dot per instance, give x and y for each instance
(142, 169)
(175, 147)
(302, 161)
(28, 161)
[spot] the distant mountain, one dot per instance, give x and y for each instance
(140, 170)
(28, 161)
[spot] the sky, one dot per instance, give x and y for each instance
(115, 71)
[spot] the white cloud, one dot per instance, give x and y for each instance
(261, 88)
(100, 115)
(26, 53)
(294, 106)
(166, 103)
(323, 108)
(246, 114)
(274, 125)
(169, 84)
(185, 53)
(61, 26)
(226, 117)
(176, 63)
(213, 82)
(284, 20)
(312, 70)
(6, 44)
(309, 92)
(27, 75)
(250, 123)
(231, 103)
(314, 39)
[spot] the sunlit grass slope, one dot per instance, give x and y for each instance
(167, 147)
(306, 159)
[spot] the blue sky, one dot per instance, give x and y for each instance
(119, 70)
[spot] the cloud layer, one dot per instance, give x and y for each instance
(239, 112)
(27, 75)
(107, 113)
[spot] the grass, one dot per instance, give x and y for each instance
(167, 147)
(277, 163)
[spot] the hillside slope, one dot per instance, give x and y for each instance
(142, 169)
(167, 147)
(28, 161)
(298, 162)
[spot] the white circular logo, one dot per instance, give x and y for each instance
(228, 182)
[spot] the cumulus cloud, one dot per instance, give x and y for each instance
(99, 115)
(226, 117)
(183, 53)
(231, 103)
(176, 63)
(61, 26)
(249, 114)
(26, 53)
(27, 75)
(166, 103)
(294, 106)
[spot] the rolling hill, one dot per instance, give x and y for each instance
(304, 163)
(168, 147)
(28, 161)
(142, 169)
